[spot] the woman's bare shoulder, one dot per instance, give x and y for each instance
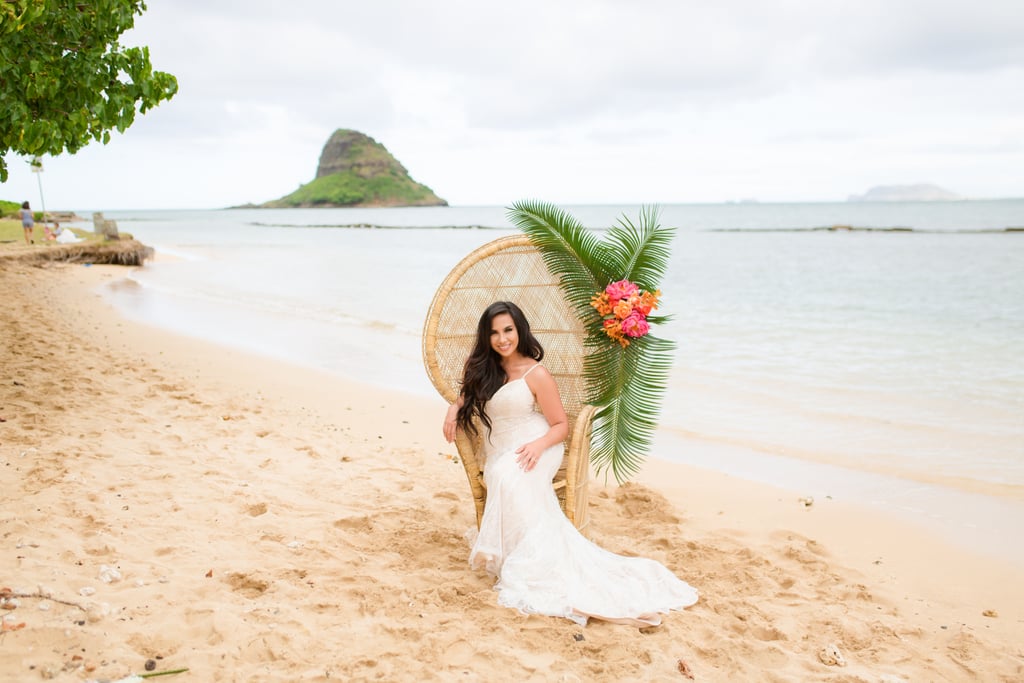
(538, 373)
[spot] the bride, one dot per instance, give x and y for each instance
(542, 563)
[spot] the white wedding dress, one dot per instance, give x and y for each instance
(543, 564)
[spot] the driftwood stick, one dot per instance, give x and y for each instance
(42, 596)
(169, 672)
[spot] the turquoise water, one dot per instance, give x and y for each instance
(871, 364)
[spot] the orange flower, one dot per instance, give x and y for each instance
(623, 309)
(648, 302)
(613, 328)
(601, 302)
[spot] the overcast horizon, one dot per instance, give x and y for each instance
(569, 102)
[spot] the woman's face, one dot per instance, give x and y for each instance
(504, 336)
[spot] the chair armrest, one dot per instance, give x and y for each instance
(467, 454)
(577, 467)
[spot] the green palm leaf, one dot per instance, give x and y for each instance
(633, 380)
(640, 253)
(627, 383)
(569, 250)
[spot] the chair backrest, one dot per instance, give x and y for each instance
(507, 269)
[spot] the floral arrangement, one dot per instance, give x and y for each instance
(625, 368)
(624, 308)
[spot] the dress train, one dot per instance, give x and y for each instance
(544, 565)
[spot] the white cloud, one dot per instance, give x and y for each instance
(595, 101)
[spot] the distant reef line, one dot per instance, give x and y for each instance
(853, 228)
(827, 228)
(375, 226)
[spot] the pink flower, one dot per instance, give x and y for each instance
(623, 308)
(635, 325)
(623, 289)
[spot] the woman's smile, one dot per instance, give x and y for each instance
(504, 336)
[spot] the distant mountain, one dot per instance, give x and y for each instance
(905, 193)
(356, 170)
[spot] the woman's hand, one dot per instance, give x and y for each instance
(449, 423)
(527, 455)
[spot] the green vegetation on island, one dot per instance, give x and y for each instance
(356, 170)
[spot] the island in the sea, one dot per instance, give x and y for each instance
(356, 170)
(905, 193)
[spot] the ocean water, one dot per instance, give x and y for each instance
(880, 364)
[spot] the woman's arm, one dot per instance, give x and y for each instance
(545, 391)
(449, 420)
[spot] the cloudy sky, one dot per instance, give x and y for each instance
(572, 102)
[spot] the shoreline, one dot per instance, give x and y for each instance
(986, 517)
(328, 512)
(979, 521)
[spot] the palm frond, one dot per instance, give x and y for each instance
(626, 383)
(569, 250)
(640, 253)
(631, 383)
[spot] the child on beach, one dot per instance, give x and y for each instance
(27, 222)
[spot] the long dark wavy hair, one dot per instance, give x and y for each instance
(483, 374)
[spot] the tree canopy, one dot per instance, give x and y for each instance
(65, 80)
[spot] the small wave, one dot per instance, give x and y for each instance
(380, 325)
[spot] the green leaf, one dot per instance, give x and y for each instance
(569, 250)
(65, 80)
(641, 252)
(631, 382)
(626, 383)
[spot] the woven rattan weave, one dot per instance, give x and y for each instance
(512, 269)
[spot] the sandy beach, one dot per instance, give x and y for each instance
(167, 499)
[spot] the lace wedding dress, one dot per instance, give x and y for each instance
(543, 564)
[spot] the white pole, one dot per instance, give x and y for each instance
(37, 168)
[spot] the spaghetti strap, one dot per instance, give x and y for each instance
(530, 370)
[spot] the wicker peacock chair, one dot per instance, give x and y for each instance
(512, 269)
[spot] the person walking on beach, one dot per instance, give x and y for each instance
(542, 562)
(27, 222)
